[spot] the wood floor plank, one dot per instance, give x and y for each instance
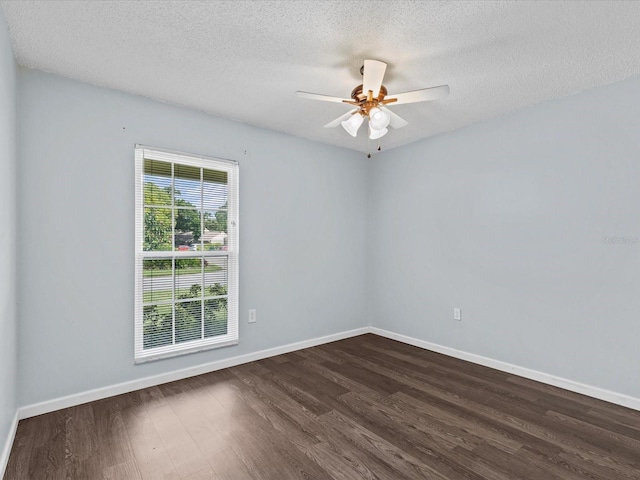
(294, 390)
(572, 440)
(525, 413)
(514, 465)
(151, 396)
(81, 443)
(257, 447)
(360, 462)
(549, 442)
(488, 387)
(120, 471)
(613, 421)
(319, 443)
(47, 460)
(199, 411)
(207, 474)
(247, 430)
(180, 447)
(383, 385)
(109, 428)
(340, 461)
(281, 412)
(46, 463)
(401, 464)
(226, 465)
(309, 379)
(424, 444)
(566, 465)
(149, 452)
(348, 383)
(478, 464)
(362, 408)
(588, 429)
(318, 354)
(19, 459)
(460, 430)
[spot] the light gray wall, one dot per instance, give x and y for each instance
(514, 220)
(302, 228)
(8, 316)
(531, 224)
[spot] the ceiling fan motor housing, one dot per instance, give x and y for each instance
(361, 98)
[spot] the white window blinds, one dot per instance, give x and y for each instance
(186, 285)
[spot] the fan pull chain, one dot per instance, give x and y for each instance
(379, 147)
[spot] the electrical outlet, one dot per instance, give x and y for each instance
(457, 314)
(253, 316)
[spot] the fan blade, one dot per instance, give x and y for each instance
(324, 98)
(341, 119)
(423, 95)
(372, 76)
(396, 120)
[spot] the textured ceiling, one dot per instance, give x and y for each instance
(245, 59)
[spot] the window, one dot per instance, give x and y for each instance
(186, 296)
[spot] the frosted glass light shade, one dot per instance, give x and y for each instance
(378, 119)
(353, 124)
(375, 134)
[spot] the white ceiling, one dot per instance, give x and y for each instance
(245, 59)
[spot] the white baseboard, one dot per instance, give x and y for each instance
(6, 449)
(126, 387)
(591, 391)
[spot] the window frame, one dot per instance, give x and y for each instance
(231, 168)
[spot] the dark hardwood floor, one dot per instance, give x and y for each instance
(366, 407)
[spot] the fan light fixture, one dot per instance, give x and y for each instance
(378, 119)
(375, 134)
(353, 124)
(370, 100)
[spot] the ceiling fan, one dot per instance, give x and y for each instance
(370, 99)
